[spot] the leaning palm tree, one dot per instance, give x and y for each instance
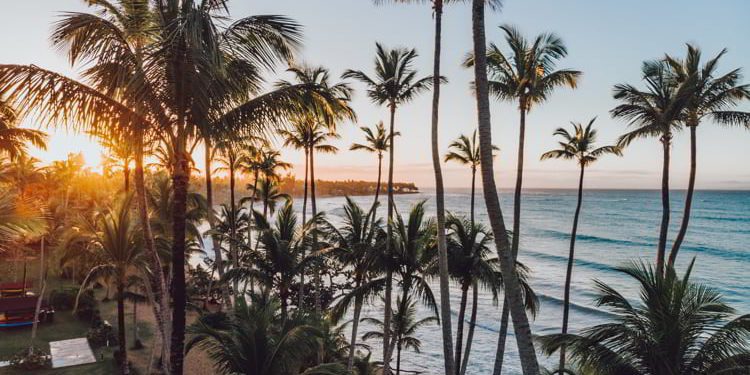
(655, 112)
(118, 240)
(253, 340)
(465, 150)
(676, 327)
(376, 142)
(395, 83)
(403, 329)
(513, 291)
(714, 97)
(527, 76)
(14, 140)
(579, 146)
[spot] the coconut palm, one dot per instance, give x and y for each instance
(357, 244)
(655, 112)
(675, 327)
(23, 172)
(118, 241)
(513, 291)
(527, 76)
(254, 340)
(281, 254)
(465, 150)
(579, 146)
(376, 142)
(120, 154)
(18, 218)
(395, 83)
(14, 140)
(714, 98)
(403, 329)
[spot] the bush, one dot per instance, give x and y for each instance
(86, 306)
(63, 299)
(99, 335)
(33, 359)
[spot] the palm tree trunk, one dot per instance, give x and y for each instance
(398, 359)
(664, 228)
(126, 176)
(121, 327)
(377, 186)
(358, 300)
(505, 315)
(688, 197)
(445, 301)
(218, 258)
(157, 280)
(301, 294)
(388, 244)
(460, 327)
(513, 292)
(180, 181)
(472, 325)
(473, 190)
(318, 281)
(38, 308)
(569, 272)
(136, 339)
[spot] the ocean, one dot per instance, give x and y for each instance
(616, 227)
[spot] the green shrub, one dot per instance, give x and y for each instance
(62, 299)
(33, 359)
(86, 306)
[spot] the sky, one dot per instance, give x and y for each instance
(607, 40)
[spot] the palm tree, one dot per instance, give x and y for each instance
(22, 173)
(18, 218)
(655, 112)
(121, 152)
(528, 77)
(465, 150)
(357, 245)
(253, 340)
(714, 97)
(395, 83)
(676, 327)
(579, 146)
(403, 329)
(377, 143)
(281, 257)
(119, 243)
(14, 140)
(513, 292)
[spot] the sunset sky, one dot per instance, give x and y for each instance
(607, 40)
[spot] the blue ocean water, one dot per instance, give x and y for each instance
(617, 226)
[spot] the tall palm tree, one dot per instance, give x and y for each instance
(121, 152)
(376, 142)
(527, 76)
(465, 150)
(715, 98)
(119, 243)
(579, 146)
(395, 83)
(357, 244)
(655, 112)
(513, 292)
(403, 328)
(676, 327)
(14, 140)
(253, 340)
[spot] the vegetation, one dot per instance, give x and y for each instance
(286, 292)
